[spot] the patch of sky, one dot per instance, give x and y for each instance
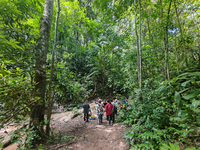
(173, 31)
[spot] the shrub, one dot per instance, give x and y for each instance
(168, 113)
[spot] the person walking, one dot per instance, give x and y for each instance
(101, 112)
(109, 110)
(104, 104)
(98, 111)
(114, 113)
(86, 108)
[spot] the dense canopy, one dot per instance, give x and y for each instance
(144, 51)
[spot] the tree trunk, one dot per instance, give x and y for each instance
(199, 60)
(181, 31)
(167, 75)
(177, 65)
(50, 97)
(138, 47)
(139, 52)
(161, 11)
(197, 28)
(150, 36)
(37, 110)
(136, 34)
(104, 70)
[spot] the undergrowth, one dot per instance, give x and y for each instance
(169, 113)
(26, 140)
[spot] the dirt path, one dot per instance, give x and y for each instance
(91, 136)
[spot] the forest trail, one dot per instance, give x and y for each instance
(90, 135)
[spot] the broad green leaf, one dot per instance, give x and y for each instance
(195, 103)
(191, 95)
(164, 147)
(175, 79)
(131, 135)
(191, 148)
(185, 83)
(196, 110)
(174, 146)
(177, 97)
(198, 119)
(183, 90)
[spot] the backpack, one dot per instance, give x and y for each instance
(115, 109)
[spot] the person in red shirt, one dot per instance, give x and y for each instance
(109, 110)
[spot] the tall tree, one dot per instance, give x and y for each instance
(139, 52)
(138, 39)
(37, 110)
(181, 32)
(50, 96)
(166, 43)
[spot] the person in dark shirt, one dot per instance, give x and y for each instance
(86, 108)
(104, 104)
(114, 113)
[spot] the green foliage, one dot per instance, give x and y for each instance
(170, 112)
(67, 89)
(171, 146)
(25, 138)
(66, 139)
(75, 110)
(174, 146)
(16, 94)
(1, 145)
(96, 55)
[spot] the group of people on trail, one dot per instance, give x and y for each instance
(108, 106)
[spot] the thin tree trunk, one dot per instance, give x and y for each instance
(177, 65)
(198, 33)
(136, 34)
(113, 79)
(199, 60)
(181, 31)
(56, 70)
(139, 52)
(37, 110)
(103, 70)
(161, 11)
(150, 36)
(167, 46)
(50, 100)
(138, 46)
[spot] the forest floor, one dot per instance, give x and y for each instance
(90, 135)
(86, 135)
